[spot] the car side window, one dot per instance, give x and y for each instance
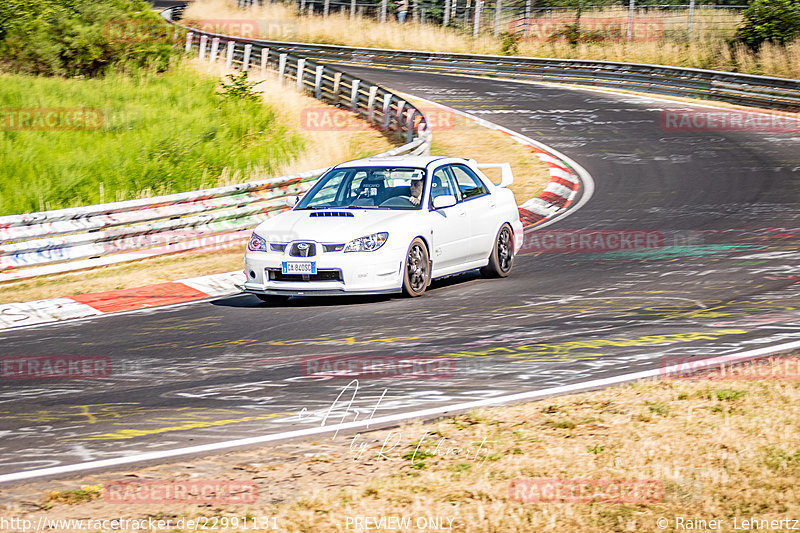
(440, 184)
(468, 183)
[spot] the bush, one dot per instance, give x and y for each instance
(240, 88)
(74, 37)
(775, 21)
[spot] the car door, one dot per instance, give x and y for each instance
(450, 233)
(479, 209)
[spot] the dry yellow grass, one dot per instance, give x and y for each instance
(721, 450)
(708, 50)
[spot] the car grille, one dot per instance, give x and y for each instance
(303, 249)
(275, 274)
(277, 247)
(333, 247)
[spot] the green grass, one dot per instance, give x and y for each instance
(160, 133)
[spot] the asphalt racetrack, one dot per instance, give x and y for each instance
(722, 277)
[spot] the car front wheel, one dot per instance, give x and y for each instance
(417, 271)
(502, 258)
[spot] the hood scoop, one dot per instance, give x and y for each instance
(331, 214)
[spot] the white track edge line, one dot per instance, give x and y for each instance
(424, 413)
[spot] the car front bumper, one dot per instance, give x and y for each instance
(338, 273)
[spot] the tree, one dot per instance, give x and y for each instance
(775, 21)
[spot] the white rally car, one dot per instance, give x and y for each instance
(383, 225)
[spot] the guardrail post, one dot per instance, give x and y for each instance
(354, 95)
(387, 106)
(326, 8)
(410, 126)
(400, 108)
(476, 27)
(264, 60)
(631, 7)
(415, 7)
(189, 41)
(301, 68)
(352, 9)
(318, 82)
(229, 54)
(691, 17)
(337, 82)
(382, 17)
(373, 92)
(446, 18)
(212, 57)
(282, 67)
(203, 41)
(498, 7)
(527, 13)
(248, 48)
(302, 6)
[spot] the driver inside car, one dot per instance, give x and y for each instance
(416, 192)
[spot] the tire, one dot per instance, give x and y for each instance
(416, 274)
(501, 261)
(272, 298)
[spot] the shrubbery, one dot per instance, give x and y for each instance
(73, 37)
(775, 21)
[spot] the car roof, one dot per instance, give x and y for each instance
(414, 161)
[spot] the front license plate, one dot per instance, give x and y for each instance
(298, 267)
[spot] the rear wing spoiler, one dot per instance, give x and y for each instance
(506, 176)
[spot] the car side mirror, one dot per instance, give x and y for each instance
(291, 201)
(445, 200)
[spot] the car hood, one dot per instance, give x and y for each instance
(300, 224)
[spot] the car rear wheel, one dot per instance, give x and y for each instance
(502, 258)
(417, 271)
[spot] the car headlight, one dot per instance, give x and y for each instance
(256, 243)
(369, 243)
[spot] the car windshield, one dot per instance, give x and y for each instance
(367, 188)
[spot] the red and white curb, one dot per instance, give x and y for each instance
(567, 179)
(13, 315)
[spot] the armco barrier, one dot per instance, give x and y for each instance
(71, 239)
(743, 89)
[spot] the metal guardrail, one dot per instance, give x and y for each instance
(743, 89)
(64, 240)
